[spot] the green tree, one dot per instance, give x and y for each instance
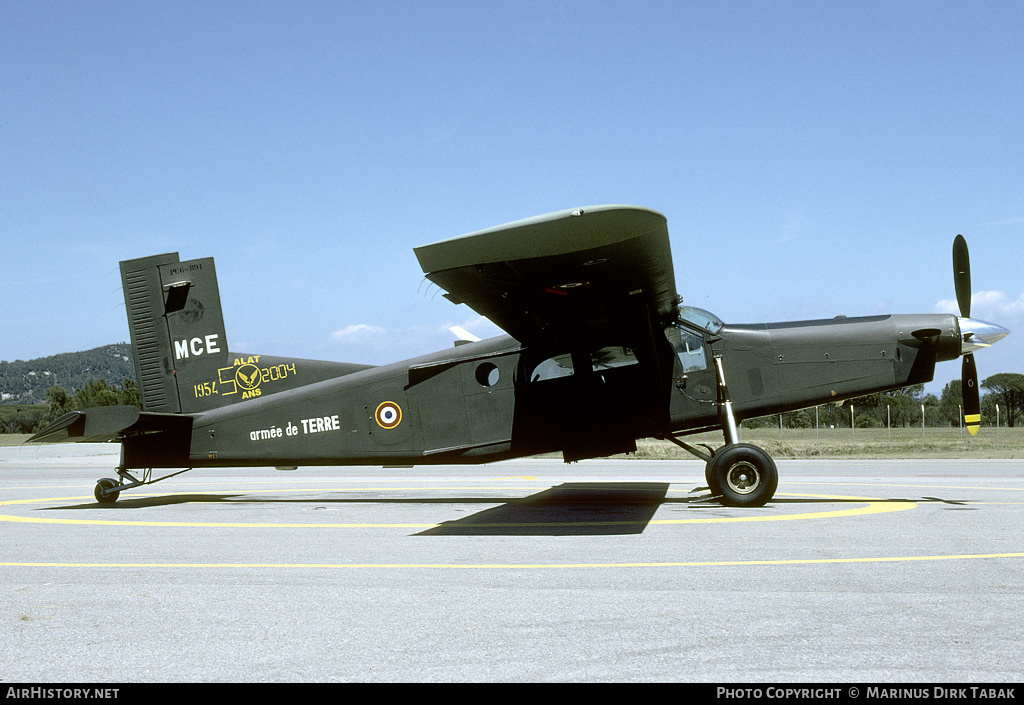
(95, 392)
(950, 403)
(1008, 388)
(129, 393)
(900, 407)
(931, 407)
(22, 419)
(58, 401)
(988, 410)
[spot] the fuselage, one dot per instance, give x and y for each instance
(496, 399)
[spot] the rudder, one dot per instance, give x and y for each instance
(177, 330)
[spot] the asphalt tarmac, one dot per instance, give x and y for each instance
(900, 571)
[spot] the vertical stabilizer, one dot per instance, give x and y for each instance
(177, 330)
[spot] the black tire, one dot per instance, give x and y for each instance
(743, 475)
(709, 477)
(103, 493)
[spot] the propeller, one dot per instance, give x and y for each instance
(974, 334)
(969, 372)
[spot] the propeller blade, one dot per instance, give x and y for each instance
(972, 400)
(962, 275)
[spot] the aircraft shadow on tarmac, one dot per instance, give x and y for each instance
(147, 502)
(569, 509)
(592, 509)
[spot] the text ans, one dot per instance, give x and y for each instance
(196, 346)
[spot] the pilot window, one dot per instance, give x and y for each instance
(689, 348)
(701, 319)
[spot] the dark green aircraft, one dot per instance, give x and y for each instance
(599, 353)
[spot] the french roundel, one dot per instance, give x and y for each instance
(389, 414)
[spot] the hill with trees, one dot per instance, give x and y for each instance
(26, 382)
(34, 392)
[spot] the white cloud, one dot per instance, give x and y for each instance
(1007, 221)
(356, 332)
(795, 222)
(994, 306)
(481, 326)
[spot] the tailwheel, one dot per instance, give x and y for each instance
(106, 491)
(742, 475)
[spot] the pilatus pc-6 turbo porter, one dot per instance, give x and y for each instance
(598, 353)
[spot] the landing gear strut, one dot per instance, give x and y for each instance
(108, 489)
(738, 474)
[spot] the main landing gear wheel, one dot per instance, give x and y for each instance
(105, 492)
(742, 475)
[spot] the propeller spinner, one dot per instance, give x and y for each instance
(974, 334)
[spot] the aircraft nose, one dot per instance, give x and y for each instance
(976, 334)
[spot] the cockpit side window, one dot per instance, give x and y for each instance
(688, 346)
(609, 357)
(612, 356)
(553, 367)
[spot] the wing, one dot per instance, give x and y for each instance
(583, 272)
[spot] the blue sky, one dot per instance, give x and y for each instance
(813, 158)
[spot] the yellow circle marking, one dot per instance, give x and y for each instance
(872, 506)
(247, 378)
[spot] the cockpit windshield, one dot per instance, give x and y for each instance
(704, 320)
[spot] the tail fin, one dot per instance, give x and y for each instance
(177, 331)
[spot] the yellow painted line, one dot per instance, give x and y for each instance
(521, 566)
(915, 487)
(229, 525)
(210, 525)
(372, 488)
(873, 506)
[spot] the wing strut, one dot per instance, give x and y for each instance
(108, 489)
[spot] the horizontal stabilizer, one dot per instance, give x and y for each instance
(103, 424)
